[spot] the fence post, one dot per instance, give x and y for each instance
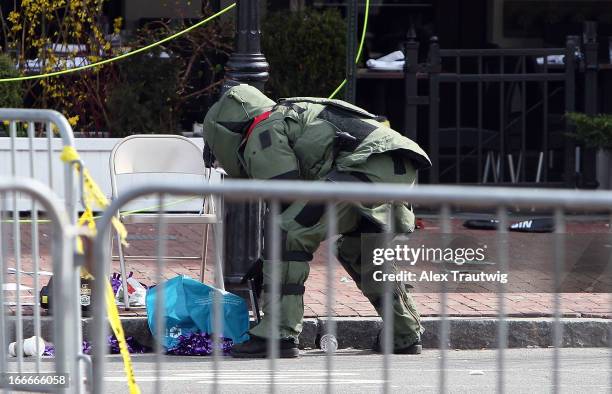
(591, 67)
(570, 99)
(591, 96)
(244, 220)
(351, 51)
(411, 61)
(434, 108)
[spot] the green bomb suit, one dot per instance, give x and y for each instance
(315, 139)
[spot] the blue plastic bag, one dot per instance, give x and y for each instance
(188, 308)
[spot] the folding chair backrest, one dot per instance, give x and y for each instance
(157, 154)
(160, 154)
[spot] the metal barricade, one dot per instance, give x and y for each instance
(38, 139)
(442, 198)
(65, 322)
(34, 153)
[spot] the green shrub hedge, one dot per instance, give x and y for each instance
(306, 52)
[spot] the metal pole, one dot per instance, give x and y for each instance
(411, 51)
(591, 67)
(434, 108)
(591, 95)
(570, 89)
(247, 64)
(244, 221)
(351, 50)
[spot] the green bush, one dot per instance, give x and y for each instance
(143, 101)
(153, 94)
(11, 93)
(595, 131)
(306, 52)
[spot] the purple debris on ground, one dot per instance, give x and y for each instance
(115, 281)
(49, 350)
(132, 344)
(86, 347)
(198, 344)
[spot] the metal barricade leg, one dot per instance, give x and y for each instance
(162, 229)
(65, 295)
(502, 328)
(3, 264)
(330, 282)
(387, 337)
(444, 322)
(559, 258)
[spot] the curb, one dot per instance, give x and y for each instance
(360, 333)
(476, 333)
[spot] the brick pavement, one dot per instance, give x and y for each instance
(185, 241)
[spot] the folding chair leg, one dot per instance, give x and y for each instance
(218, 239)
(204, 253)
(126, 303)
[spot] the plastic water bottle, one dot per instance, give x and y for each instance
(329, 343)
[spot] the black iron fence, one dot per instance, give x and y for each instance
(497, 115)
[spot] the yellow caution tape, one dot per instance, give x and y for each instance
(93, 195)
(115, 322)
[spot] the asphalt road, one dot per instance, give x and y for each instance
(473, 371)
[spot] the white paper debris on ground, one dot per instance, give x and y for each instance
(42, 273)
(13, 287)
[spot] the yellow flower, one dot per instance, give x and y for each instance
(13, 16)
(117, 24)
(73, 120)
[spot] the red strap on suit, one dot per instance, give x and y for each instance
(257, 120)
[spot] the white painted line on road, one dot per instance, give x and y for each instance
(255, 377)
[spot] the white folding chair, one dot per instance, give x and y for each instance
(162, 155)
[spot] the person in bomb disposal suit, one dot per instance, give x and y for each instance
(317, 139)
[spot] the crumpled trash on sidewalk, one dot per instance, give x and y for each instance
(137, 291)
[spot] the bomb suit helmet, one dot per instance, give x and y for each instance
(227, 121)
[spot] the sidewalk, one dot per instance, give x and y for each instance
(186, 240)
(348, 299)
